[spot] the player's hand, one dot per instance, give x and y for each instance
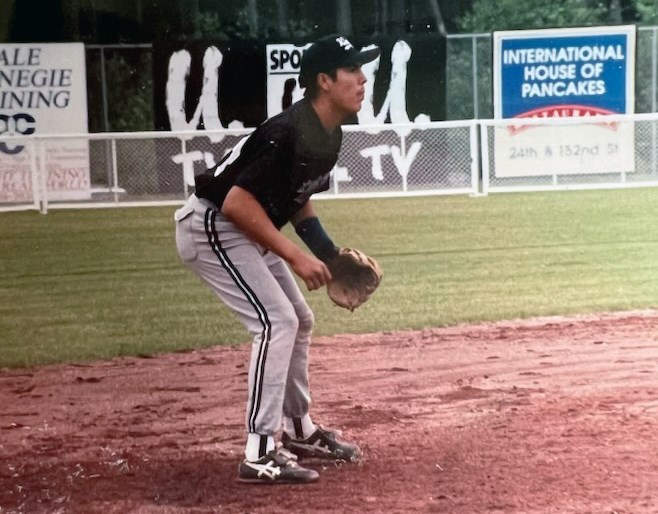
(311, 270)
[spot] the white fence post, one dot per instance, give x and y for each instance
(484, 153)
(475, 158)
(183, 145)
(403, 154)
(654, 70)
(43, 178)
(34, 174)
(115, 171)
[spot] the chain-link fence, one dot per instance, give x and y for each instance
(120, 77)
(440, 157)
(468, 157)
(120, 87)
(469, 76)
(158, 168)
(433, 158)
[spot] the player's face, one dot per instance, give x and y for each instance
(348, 90)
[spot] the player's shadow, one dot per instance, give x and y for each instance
(176, 478)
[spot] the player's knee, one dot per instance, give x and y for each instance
(285, 321)
(306, 320)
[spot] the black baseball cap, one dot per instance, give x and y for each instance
(329, 53)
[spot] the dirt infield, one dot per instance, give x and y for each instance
(550, 415)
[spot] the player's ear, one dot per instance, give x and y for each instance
(324, 81)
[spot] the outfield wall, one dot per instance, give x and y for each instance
(475, 157)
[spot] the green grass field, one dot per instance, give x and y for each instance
(86, 284)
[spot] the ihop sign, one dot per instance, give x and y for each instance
(554, 73)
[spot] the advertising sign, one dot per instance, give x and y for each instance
(216, 86)
(43, 91)
(581, 72)
(282, 70)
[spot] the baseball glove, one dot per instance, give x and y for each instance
(354, 277)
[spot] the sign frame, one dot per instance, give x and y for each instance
(43, 90)
(569, 72)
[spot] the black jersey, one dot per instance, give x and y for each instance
(282, 163)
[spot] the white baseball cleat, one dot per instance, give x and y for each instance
(322, 444)
(277, 467)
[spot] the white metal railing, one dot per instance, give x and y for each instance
(158, 168)
(460, 157)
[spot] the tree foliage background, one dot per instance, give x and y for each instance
(148, 21)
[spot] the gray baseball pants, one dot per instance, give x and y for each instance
(259, 287)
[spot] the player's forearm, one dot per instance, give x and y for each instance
(305, 212)
(310, 230)
(246, 212)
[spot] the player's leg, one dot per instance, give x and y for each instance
(234, 269)
(297, 400)
(300, 435)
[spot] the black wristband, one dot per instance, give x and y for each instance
(311, 232)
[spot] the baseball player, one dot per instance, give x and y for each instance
(228, 233)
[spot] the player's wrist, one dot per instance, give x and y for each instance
(317, 240)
